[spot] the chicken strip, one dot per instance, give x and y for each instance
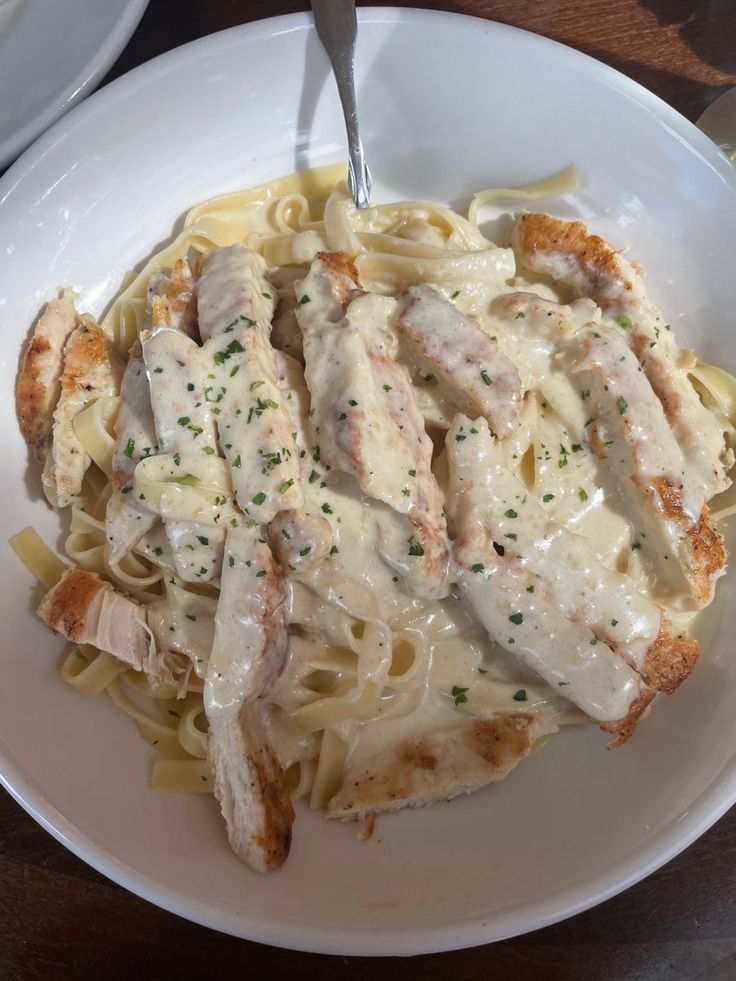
(479, 379)
(255, 433)
(590, 267)
(248, 653)
(39, 381)
(234, 291)
(633, 439)
(183, 414)
(366, 414)
(521, 614)
(436, 764)
(584, 590)
(87, 610)
(91, 370)
(172, 299)
(127, 519)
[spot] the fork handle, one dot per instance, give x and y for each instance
(337, 27)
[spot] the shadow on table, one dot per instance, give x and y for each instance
(706, 26)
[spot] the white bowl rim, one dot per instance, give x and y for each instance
(704, 811)
(85, 80)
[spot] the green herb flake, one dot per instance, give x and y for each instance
(485, 377)
(188, 480)
(236, 462)
(622, 405)
(283, 488)
(520, 695)
(624, 322)
(478, 567)
(304, 299)
(511, 513)
(517, 618)
(582, 494)
(326, 508)
(129, 447)
(305, 551)
(459, 694)
(259, 498)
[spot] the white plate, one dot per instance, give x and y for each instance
(448, 104)
(52, 53)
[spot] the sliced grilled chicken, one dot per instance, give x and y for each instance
(248, 654)
(479, 379)
(437, 764)
(251, 789)
(633, 439)
(39, 381)
(583, 589)
(234, 291)
(365, 412)
(172, 299)
(127, 519)
(183, 404)
(520, 611)
(91, 370)
(250, 625)
(255, 432)
(590, 267)
(86, 610)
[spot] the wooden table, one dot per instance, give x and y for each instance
(62, 920)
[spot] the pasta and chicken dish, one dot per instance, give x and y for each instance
(364, 507)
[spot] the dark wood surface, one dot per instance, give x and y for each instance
(62, 920)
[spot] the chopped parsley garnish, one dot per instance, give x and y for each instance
(283, 488)
(614, 622)
(334, 550)
(326, 508)
(183, 420)
(624, 322)
(306, 550)
(415, 548)
(191, 616)
(387, 388)
(261, 572)
(203, 540)
(530, 589)
(304, 299)
(234, 347)
(520, 695)
(188, 480)
(129, 447)
(342, 416)
(209, 450)
(455, 295)
(478, 567)
(259, 498)
(412, 473)
(520, 315)
(236, 462)
(254, 385)
(511, 513)
(352, 402)
(485, 377)
(622, 405)
(314, 477)
(459, 694)
(405, 491)
(230, 561)
(582, 494)
(517, 618)
(158, 550)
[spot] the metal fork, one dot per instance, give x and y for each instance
(337, 27)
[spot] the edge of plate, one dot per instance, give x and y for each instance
(86, 79)
(714, 801)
